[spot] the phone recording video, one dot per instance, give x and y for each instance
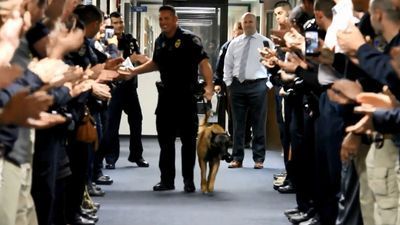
(109, 32)
(311, 43)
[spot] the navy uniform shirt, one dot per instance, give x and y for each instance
(129, 45)
(377, 64)
(178, 59)
(219, 70)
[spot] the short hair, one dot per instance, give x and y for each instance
(88, 13)
(283, 4)
(168, 8)
(115, 15)
(387, 7)
(325, 6)
(238, 25)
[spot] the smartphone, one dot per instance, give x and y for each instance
(109, 32)
(311, 43)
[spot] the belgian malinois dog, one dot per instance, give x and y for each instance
(212, 146)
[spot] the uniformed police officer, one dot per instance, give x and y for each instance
(178, 55)
(125, 97)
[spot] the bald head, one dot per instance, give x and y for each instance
(249, 23)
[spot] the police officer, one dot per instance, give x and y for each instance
(125, 97)
(178, 55)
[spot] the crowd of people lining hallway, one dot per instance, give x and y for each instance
(65, 84)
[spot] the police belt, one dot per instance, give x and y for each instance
(250, 81)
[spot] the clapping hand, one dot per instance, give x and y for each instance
(350, 146)
(45, 120)
(350, 39)
(344, 91)
(24, 105)
(294, 40)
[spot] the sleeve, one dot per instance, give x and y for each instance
(29, 79)
(198, 50)
(219, 70)
(157, 51)
(378, 67)
(61, 96)
(228, 65)
(387, 121)
(310, 78)
(344, 65)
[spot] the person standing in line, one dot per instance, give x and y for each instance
(247, 81)
(220, 87)
(178, 55)
(125, 98)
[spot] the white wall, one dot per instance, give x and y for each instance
(147, 92)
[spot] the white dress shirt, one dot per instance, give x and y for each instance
(254, 68)
(342, 16)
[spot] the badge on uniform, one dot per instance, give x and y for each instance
(177, 43)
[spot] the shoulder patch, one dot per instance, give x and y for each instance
(196, 40)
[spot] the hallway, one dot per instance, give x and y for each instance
(242, 196)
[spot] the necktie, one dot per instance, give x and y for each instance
(243, 60)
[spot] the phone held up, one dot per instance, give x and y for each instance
(311, 36)
(109, 32)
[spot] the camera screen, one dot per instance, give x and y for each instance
(109, 33)
(311, 42)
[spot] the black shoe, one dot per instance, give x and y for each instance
(89, 211)
(110, 166)
(95, 192)
(163, 187)
(312, 221)
(104, 180)
(299, 217)
(189, 187)
(89, 216)
(277, 186)
(97, 205)
(80, 220)
(287, 189)
(140, 162)
(289, 212)
(247, 145)
(277, 175)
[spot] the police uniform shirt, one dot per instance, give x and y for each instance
(129, 45)
(178, 58)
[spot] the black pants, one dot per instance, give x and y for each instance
(78, 153)
(176, 117)
(330, 132)
(301, 136)
(124, 98)
(48, 146)
(224, 107)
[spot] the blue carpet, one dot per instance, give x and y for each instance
(242, 196)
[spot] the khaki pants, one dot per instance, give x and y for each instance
(17, 207)
(366, 195)
(382, 179)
